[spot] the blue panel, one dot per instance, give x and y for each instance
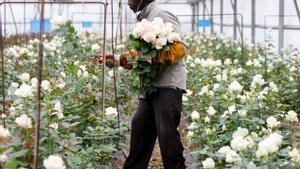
(204, 23)
(35, 26)
(87, 24)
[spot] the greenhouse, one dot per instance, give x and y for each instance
(149, 84)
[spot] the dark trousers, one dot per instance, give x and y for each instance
(158, 115)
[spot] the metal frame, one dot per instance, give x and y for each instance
(241, 27)
(40, 62)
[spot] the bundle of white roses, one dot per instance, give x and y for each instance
(158, 43)
(153, 35)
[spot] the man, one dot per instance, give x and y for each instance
(158, 114)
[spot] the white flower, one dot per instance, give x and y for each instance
(54, 162)
(291, 116)
(24, 121)
(242, 113)
(224, 150)
(149, 37)
(269, 145)
(190, 134)
(45, 85)
(239, 143)
(295, 155)
(111, 112)
(4, 133)
(195, 115)
(257, 81)
(232, 157)
(25, 77)
(235, 86)
(192, 126)
(95, 47)
(85, 74)
(216, 86)
(227, 62)
(272, 122)
(34, 83)
(188, 92)
(160, 43)
(54, 126)
(197, 61)
(211, 111)
(58, 111)
(273, 87)
(174, 37)
(56, 21)
(111, 73)
(231, 109)
(242, 132)
(3, 158)
(24, 91)
(208, 163)
(204, 90)
(184, 98)
(219, 77)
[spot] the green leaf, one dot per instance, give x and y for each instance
(136, 44)
(18, 154)
(13, 164)
(166, 49)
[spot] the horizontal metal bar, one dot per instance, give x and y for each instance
(53, 2)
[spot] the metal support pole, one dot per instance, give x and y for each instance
(221, 17)
(4, 18)
(297, 9)
(235, 19)
(211, 14)
(104, 59)
(204, 8)
(2, 76)
(39, 77)
(281, 25)
(193, 16)
(253, 21)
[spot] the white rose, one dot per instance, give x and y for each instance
(95, 47)
(242, 113)
(235, 86)
(208, 163)
(195, 115)
(197, 61)
(160, 43)
(190, 134)
(231, 109)
(272, 122)
(56, 21)
(111, 112)
(24, 121)
(184, 98)
(3, 158)
(54, 126)
(291, 116)
(149, 37)
(239, 143)
(257, 81)
(211, 111)
(273, 87)
(174, 37)
(224, 150)
(25, 77)
(192, 126)
(188, 92)
(232, 157)
(58, 110)
(45, 85)
(295, 155)
(24, 91)
(4, 133)
(242, 132)
(54, 162)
